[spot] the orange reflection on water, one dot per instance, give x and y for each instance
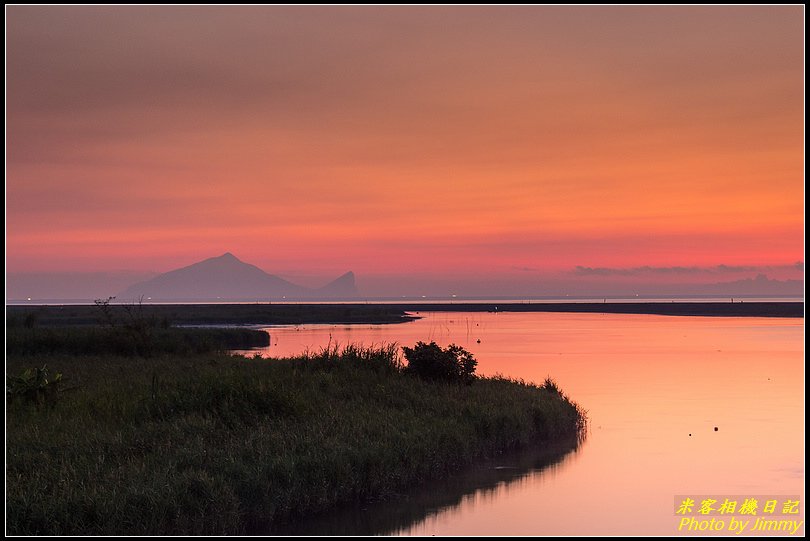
(655, 387)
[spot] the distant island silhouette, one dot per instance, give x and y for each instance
(228, 278)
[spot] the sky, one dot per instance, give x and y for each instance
(483, 150)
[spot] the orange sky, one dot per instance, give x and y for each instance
(405, 140)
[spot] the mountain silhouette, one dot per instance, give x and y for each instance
(228, 278)
(342, 286)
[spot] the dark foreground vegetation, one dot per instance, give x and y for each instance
(202, 442)
(144, 341)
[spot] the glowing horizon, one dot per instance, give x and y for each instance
(395, 141)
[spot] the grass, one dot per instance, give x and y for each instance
(484, 480)
(215, 444)
(122, 340)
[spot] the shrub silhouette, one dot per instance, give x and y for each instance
(431, 362)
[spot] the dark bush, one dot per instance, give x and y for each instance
(431, 362)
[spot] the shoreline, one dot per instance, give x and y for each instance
(709, 309)
(377, 314)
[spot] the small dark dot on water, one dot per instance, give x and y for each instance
(479, 340)
(690, 434)
(716, 429)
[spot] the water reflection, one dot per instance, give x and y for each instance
(654, 387)
(482, 483)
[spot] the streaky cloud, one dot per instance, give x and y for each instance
(581, 270)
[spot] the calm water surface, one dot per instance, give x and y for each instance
(648, 382)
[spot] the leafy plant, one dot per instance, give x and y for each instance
(431, 362)
(34, 385)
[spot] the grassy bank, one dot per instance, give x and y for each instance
(486, 479)
(143, 340)
(215, 444)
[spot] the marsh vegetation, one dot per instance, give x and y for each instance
(198, 441)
